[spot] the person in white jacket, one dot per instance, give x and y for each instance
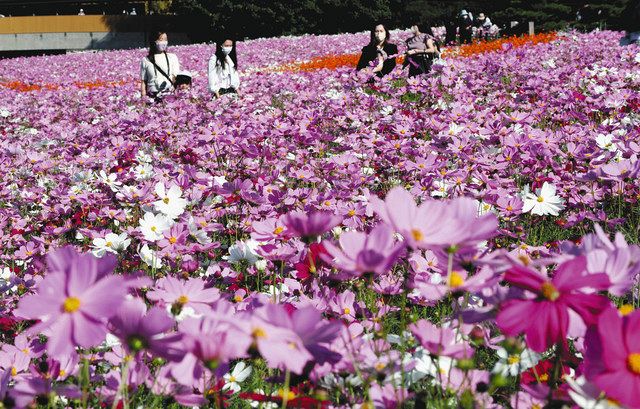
(223, 69)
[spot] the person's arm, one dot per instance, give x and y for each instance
(214, 85)
(235, 78)
(431, 47)
(143, 80)
(364, 60)
(176, 67)
(390, 62)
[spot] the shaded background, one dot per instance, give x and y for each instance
(204, 20)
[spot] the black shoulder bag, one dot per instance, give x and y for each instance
(157, 68)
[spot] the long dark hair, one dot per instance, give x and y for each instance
(221, 57)
(387, 37)
(153, 37)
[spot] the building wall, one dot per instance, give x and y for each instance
(77, 32)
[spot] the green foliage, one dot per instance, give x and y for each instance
(260, 18)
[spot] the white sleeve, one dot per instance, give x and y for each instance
(235, 78)
(214, 82)
(143, 70)
(175, 65)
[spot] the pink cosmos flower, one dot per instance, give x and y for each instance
(73, 305)
(209, 343)
(140, 329)
(360, 253)
(310, 225)
(435, 223)
(544, 317)
(440, 341)
(184, 294)
(613, 356)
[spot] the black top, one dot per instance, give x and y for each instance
(370, 53)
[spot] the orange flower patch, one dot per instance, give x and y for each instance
(481, 47)
(334, 61)
(26, 87)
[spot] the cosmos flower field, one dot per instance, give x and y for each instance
(464, 239)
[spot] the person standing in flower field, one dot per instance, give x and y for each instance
(421, 51)
(159, 68)
(380, 50)
(465, 26)
(223, 69)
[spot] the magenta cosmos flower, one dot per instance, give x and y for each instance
(73, 303)
(140, 329)
(435, 223)
(545, 318)
(361, 253)
(613, 356)
(310, 225)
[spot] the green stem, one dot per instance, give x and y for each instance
(285, 392)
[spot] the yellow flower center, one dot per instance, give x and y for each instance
(290, 394)
(327, 203)
(513, 359)
(417, 235)
(633, 362)
(380, 366)
(166, 200)
(278, 230)
(172, 240)
(154, 229)
(352, 213)
(62, 372)
(549, 291)
(108, 244)
(509, 208)
(232, 378)
(182, 300)
(71, 304)
(540, 199)
(292, 345)
(237, 298)
(347, 311)
(544, 377)
(455, 280)
(14, 371)
(259, 333)
(626, 309)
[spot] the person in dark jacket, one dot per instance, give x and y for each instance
(465, 26)
(379, 51)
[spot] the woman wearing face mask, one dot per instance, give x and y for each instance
(379, 51)
(421, 51)
(158, 69)
(223, 69)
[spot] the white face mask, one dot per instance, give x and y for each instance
(380, 37)
(227, 50)
(162, 45)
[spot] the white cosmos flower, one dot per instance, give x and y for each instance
(239, 374)
(6, 282)
(110, 180)
(586, 395)
(605, 142)
(153, 225)
(171, 202)
(111, 243)
(243, 250)
(544, 201)
(637, 59)
(143, 171)
(198, 234)
(512, 365)
(150, 257)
